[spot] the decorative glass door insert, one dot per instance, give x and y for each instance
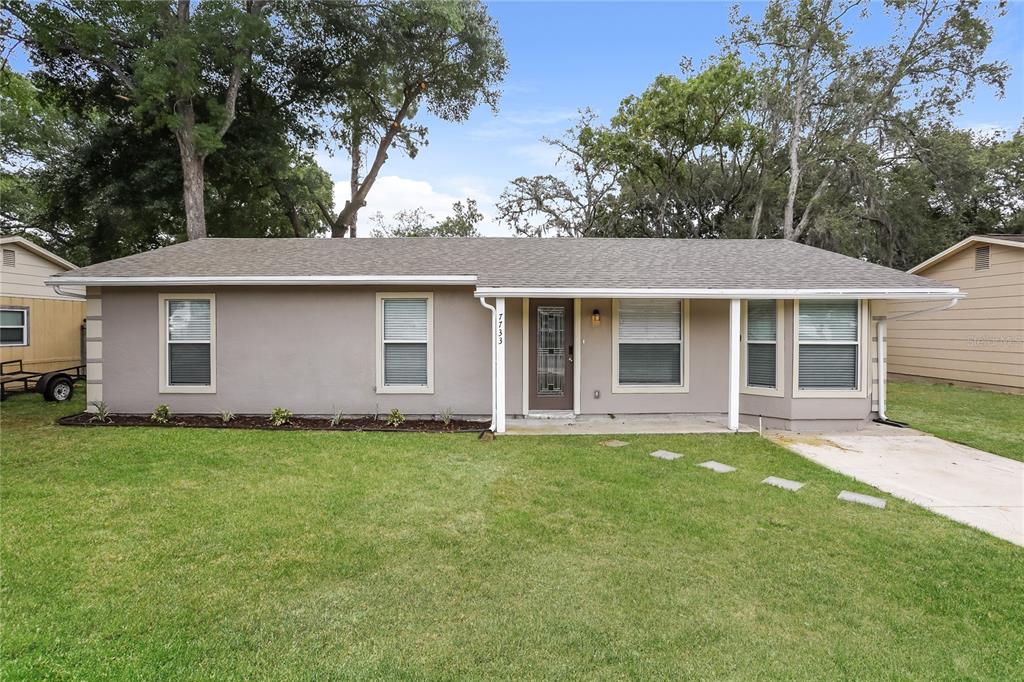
(550, 350)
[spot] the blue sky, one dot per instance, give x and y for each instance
(568, 55)
(564, 56)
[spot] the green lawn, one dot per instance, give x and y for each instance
(189, 554)
(981, 419)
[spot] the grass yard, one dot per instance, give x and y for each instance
(191, 554)
(981, 419)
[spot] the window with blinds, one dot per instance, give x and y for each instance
(761, 340)
(405, 341)
(829, 345)
(650, 342)
(189, 342)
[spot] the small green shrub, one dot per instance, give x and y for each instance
(396, 418)
(161, 415)
(446, 416)
(280, 416)
(226, 416)
(102, 414)
(336, 419)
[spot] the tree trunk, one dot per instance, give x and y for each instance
(193, 184)
(755, 224)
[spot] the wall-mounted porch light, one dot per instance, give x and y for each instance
(595, 318)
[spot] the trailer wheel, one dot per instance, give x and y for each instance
(59, 389)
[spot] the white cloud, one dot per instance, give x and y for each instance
(529, 124)
(541, 154)
(392, 193)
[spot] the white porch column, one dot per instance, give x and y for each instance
(499, 379)
(734, 364)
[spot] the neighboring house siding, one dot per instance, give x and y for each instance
(308, 349)
(28, 276)
(54, 338)
(979, 342)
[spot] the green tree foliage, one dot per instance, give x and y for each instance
(419, 223)
(391, 60)
(800, 131)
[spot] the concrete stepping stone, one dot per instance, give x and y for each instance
(717, 466)
(783, 483)
(847, 496)
(614, 443)
(665, 454)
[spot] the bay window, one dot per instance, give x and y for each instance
(828, 345)
(762, 344)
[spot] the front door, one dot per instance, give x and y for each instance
(551, 354)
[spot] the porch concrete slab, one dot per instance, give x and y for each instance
(783, 483)
(859, 498)
(601, 425)
(717, 467)
(665, 454)
(971, 486)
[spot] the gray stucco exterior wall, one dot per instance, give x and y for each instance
(313, 350)
(308, 349)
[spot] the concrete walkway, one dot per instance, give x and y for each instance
(606, 426)
(971, 486)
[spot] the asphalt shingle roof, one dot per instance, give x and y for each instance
(512, 262)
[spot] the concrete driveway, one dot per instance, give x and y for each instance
(968, 485)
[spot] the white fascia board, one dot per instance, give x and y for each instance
(283, 280)
(859, 293)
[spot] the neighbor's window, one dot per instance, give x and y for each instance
(405, 342)
(761, 340)
(189, 343)
(650, 343)
(828, 345)
(14, 327)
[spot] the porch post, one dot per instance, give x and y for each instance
(734, 364)
(499, 379)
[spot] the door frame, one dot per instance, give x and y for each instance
(577, 353)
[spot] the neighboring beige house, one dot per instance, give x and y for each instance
(38, 326)
(978, 342)
(763, 331)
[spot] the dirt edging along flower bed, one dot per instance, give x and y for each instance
(201, 421)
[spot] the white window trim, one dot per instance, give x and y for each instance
(780, 353)
(379, 344)
(684, 306)
(862, 357)
(165, 387)
(24, 326)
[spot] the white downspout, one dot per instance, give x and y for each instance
(61, 292)
(882, 329)
(494, 364)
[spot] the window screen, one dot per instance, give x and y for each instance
(13, 327)
(650, 342)
(189, 342)
(405, 342)
(762, 330)
(828, 345)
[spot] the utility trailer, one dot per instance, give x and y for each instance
(57, 385)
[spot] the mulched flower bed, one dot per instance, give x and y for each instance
(201, 421)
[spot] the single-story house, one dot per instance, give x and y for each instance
(980, 341)
(735, 329)
(40, 328)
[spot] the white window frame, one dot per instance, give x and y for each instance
(780, 353)
(862, 357)
(164, 305)
(684, 342)
(381, 387)
(24, 326)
